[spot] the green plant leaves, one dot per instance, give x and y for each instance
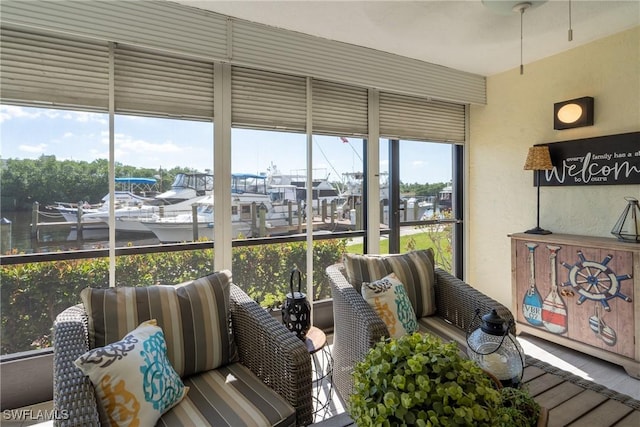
(32, 295)
(424, 382)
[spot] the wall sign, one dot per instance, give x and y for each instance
(604, 160)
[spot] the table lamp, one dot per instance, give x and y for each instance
(538, 159)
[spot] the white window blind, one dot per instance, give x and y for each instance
(153, 83)
(38, 68)
(266, 100)
(407, 117)
(171, 27)
(339, 109)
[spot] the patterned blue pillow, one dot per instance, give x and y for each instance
(389, 299)
(134, 381)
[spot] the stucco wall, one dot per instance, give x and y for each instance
(519, 114)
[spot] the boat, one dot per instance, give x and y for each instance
(444, 198)
(415, 208)
(353, 193)
(322, 189)
(129, 192)
(187, 186)
(187, 189)
(247, 191)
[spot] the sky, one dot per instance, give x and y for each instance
(27, 132)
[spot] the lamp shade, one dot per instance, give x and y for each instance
(538, 159)
(574, 113)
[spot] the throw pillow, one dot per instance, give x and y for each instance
(389, 299)
(195, 317)
(414, 269)
(135, 383)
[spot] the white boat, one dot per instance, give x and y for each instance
(412, 209)
(247, 191)
(445, 198)
(187, 186)
(322, 189)
(187, 189)
(130, 218)
(129, 192)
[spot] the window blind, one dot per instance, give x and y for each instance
(266, 100)
(155, 83)
(53, 71)
(406, 117)
(339, 109)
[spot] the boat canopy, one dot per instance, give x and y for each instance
(248, 183)
(149, 181)
(146, 187)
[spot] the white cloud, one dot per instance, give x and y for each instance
(68, 135)
(128, 144)
(40, 148)
(418, 163)
(54, 114)
(8, 112)
(80, 116)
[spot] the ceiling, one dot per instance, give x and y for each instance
(471, 35)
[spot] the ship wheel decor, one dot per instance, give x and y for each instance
(595, 281)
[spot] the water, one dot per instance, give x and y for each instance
(16, 236)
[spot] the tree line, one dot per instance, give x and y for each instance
(47, 180)
(422, 190)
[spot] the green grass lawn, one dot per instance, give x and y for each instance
(407, 242)
(439, 241)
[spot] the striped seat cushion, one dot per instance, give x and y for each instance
(229, 396)
(414, 269)
(194, 317)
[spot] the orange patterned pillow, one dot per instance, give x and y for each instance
(134, 381)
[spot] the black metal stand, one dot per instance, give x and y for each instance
(537, 229)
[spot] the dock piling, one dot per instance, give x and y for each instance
(35, 210)
(79, 222)
(194, 221)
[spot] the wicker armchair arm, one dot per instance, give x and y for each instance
(457, 302)
(360, 328)
(272, 353)
(73, 395)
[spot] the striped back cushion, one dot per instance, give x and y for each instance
(414, 269)
(194, 316)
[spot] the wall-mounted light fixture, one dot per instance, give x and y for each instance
(574, 113)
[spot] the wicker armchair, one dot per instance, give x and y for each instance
(357, 327)
(265, 346)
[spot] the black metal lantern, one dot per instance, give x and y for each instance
(296, 310)
(627, 228)
(496, 350)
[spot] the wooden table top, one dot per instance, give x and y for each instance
(572, 400)
(569, 399)
(315, 339)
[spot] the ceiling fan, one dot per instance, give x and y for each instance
(506, 7)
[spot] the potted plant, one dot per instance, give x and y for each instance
(419, 380)
(518, 408)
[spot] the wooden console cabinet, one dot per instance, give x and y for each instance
(580, 292)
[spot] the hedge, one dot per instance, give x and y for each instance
(33, 294)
